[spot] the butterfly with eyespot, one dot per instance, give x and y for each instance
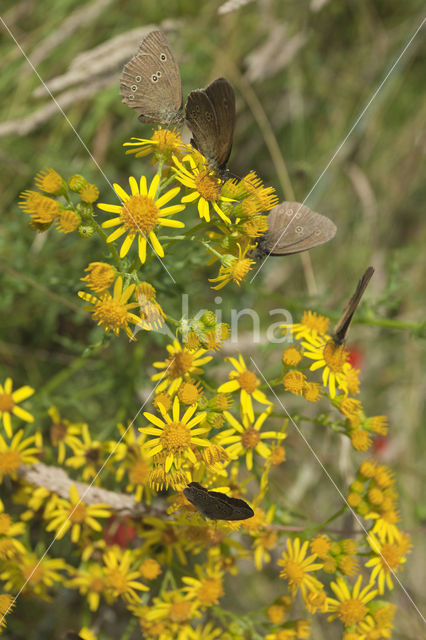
(150, 83)
(292, 228)
(216, 505)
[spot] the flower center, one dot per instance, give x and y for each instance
(111, 313)
(180, 364)
(207, 186)
(9, 461)
(248, 381)
(140, 213)
(33, 573)
(58, 431)
(391, 554)
(315, 322)
(210, 591)
(5, 522)
(250, 438)
(97, 585)
(6, 402)
(139, 472)
(294, 572)
(180, 611)
(352, 611)
(175, 436)
(117, 581)
(78, 513)
(335, 356)
(7, 549)
(240, 269)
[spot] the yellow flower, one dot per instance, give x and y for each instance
(114, 311)
(62, 433)
(292, 356)
(129, 455)
(68, 221)
(206, 187)
(245, 437)
(121, 581)
(174, 436)
(49, 181)
(76, 515)
(311, 326)
(100, 276)
(177, 610)
(163, 144)
(248, 382)
(180, 364)
(139, 215)
(9, 404)
(89, 193)
(6, 606)
(88, 453)
(294, 381)
(350, 606)
(90, 581)
(17, 452)
(207, 588)
(389, 556)
(150, 569)
(233, 268)
(37, 574)
(42, 209)
(296, 567)
(328, 356)
(321, 546)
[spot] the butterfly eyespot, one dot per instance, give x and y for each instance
(163, 57)
(138, 78)
(154, 78)
(134, 87)
(298, 215)
(290, 212)
(299, 229)
(131, 97)
(158, 74)
(317, 232)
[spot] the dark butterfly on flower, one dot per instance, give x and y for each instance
(210, 114)
(216, 505)
(292, 228)
(342, 326)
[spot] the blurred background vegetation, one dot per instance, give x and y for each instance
(303, 71)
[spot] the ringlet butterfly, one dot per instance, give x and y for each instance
(150, 82)
(292, 228)
(210, 114)
(216, 505)
(342, 326)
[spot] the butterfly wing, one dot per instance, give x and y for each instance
(293, 227)
(347, 315)
(150, 83)
(201, 118)
(222, 97)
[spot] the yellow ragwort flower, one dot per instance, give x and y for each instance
(9, 400)
(327, 356)
(206, 187)
(234, 268)
(312, 325)
(245, 380)
(297, 567)
(139, 215)
(76, 515)
(114, 311)
(18, 451)
(100, 276)
(350, 606)
(163, 144)
(175, 435)
(181, 364)
(50, 181)
(387, 560)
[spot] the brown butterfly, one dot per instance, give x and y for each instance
(150, 83)
(292, 228)
(210, 114)
(342, 326)
(216, 505)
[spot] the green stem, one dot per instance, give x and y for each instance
(326, 522)
(110, 246)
